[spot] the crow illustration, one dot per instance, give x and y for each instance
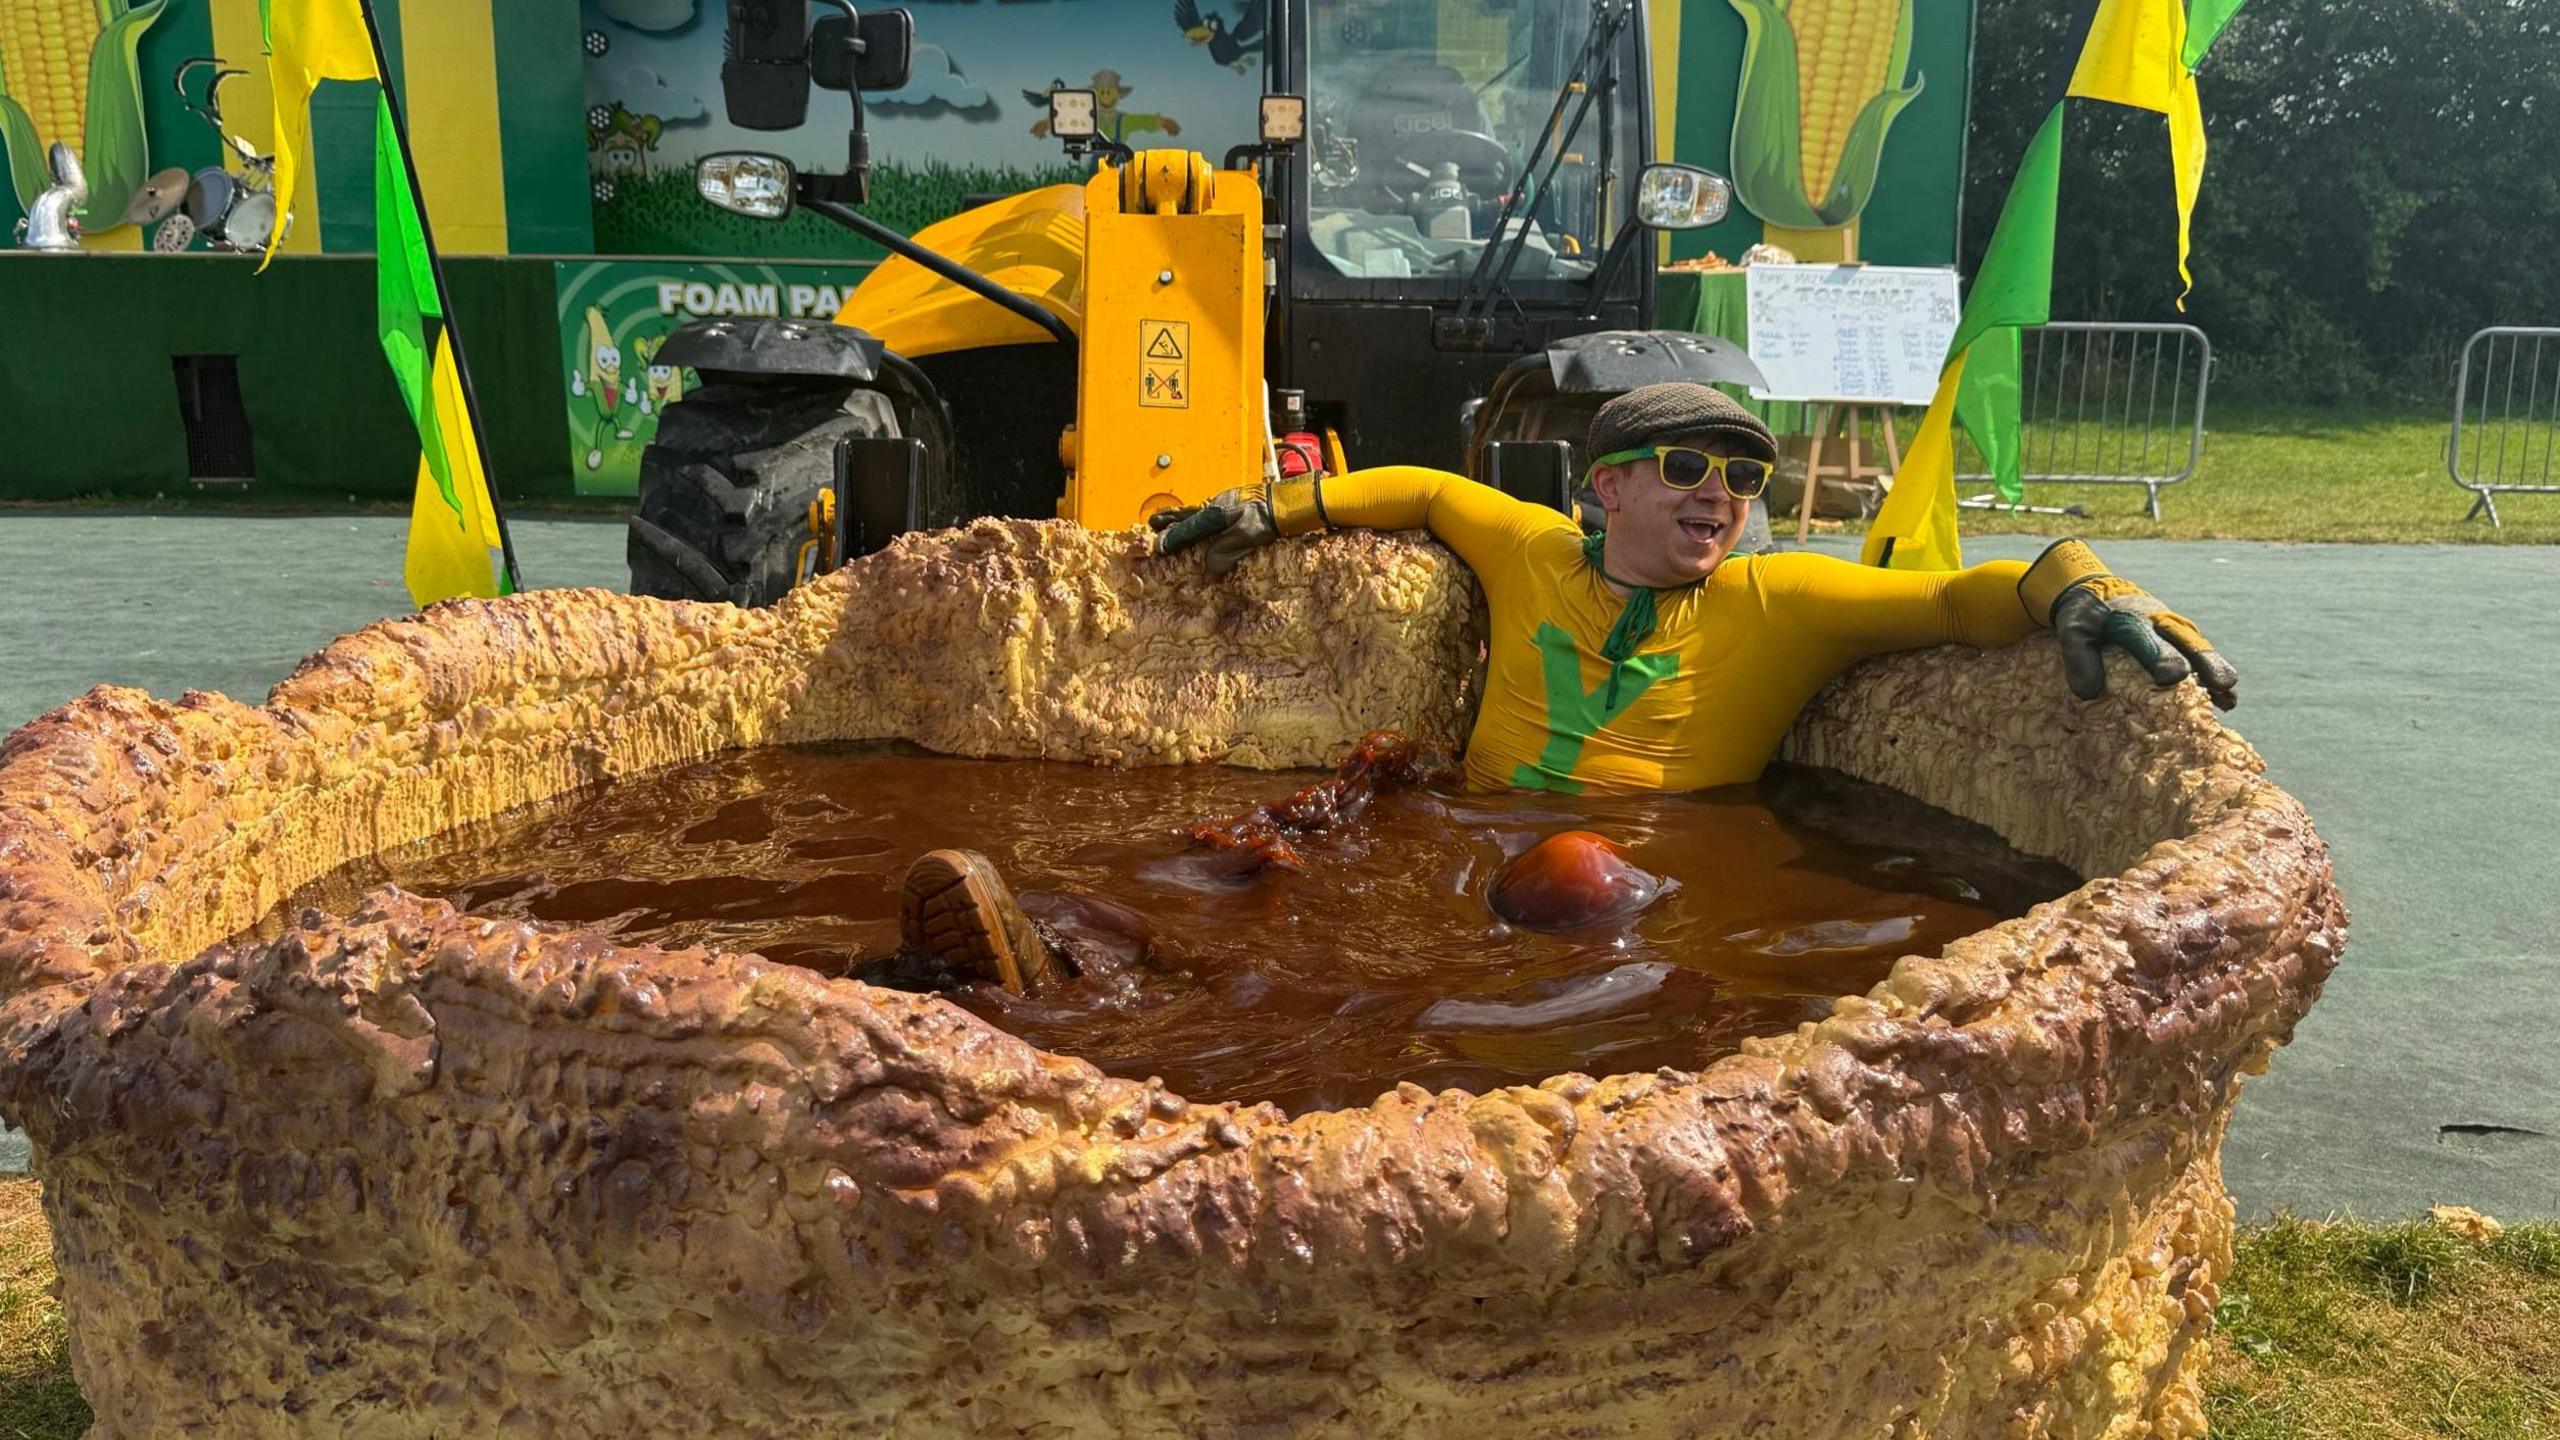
(1226, 47)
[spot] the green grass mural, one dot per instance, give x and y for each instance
(658, 213)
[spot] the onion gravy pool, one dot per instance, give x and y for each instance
(1381, 961)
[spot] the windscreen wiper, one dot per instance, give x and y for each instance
(1514, 63)
(1590, 70)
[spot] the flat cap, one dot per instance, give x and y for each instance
(1677, 410)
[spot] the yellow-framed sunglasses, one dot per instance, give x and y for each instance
(1684, 468)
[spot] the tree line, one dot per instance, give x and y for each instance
(2384, 179)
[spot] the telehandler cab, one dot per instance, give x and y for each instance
(1411, 266)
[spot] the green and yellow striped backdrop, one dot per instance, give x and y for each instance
(496, 90)
(496, 96)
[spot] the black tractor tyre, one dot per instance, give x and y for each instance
(725, 490)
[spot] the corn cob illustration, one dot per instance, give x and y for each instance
(604, 362)
(70, 70)
(1822, 81)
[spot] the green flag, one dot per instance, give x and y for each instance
(2014, 285)
(2012, 289)
(457, 540)
(2139, 53)
(2205, 19)
(406, 296)
(1987, 408)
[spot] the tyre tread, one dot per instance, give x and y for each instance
(725, 488)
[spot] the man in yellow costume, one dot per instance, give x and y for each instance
(1649, 656)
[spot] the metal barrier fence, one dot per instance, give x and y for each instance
(2498, 443)
(2108, 404)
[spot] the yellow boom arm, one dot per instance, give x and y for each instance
(1157, 266)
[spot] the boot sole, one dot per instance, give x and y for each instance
(958, 909)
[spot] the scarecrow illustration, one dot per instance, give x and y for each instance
(1113, 124)
(622, 141)
(1228, 47)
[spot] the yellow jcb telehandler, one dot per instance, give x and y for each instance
(1439, 252)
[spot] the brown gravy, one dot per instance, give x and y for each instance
(1380, 962)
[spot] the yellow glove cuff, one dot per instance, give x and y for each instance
(1297, 506)
(2064, 563)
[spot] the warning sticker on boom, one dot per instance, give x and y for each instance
(1164, 364)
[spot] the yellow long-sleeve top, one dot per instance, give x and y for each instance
(1706, 699)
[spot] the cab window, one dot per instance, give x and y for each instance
(1422, 117)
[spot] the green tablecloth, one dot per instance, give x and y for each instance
(1716, 302)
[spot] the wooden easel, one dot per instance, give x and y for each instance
(1850, 415)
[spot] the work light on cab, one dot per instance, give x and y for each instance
(1284, 119)
(1073, 114)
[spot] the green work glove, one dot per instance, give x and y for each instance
(2089, 609)
(1231, 526)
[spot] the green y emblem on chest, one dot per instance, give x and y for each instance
(1574, 715)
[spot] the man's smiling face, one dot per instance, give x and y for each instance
(1660, 537)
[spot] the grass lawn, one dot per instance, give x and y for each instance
(2328, 1332)
(2266, 475)
(659, 214)
(37, 1399)
(2360, 1332)
(2296, 475)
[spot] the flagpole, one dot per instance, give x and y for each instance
(444, 297)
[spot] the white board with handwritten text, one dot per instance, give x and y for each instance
(1854, 334)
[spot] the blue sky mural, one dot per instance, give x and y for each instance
(967, 101)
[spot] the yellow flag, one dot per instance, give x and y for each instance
(308, 41)
(457, 543)
(1915, 528)
(2132, 54)
(454, 547)
(2186, 159)
(2136, 55)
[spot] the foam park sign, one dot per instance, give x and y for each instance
(616, 315)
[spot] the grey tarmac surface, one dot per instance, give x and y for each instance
(2409, 694)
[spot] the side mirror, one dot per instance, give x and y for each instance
(744, 182)
(888, 45)
(1681, 197)
(764, 80)
(869, 53)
